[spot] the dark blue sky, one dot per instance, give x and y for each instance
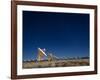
(63, 34)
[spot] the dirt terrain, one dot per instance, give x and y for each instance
(55, 63)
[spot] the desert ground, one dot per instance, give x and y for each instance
(55, 63)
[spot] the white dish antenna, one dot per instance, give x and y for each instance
(42, 51)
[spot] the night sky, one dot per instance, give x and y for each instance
(63, 34)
